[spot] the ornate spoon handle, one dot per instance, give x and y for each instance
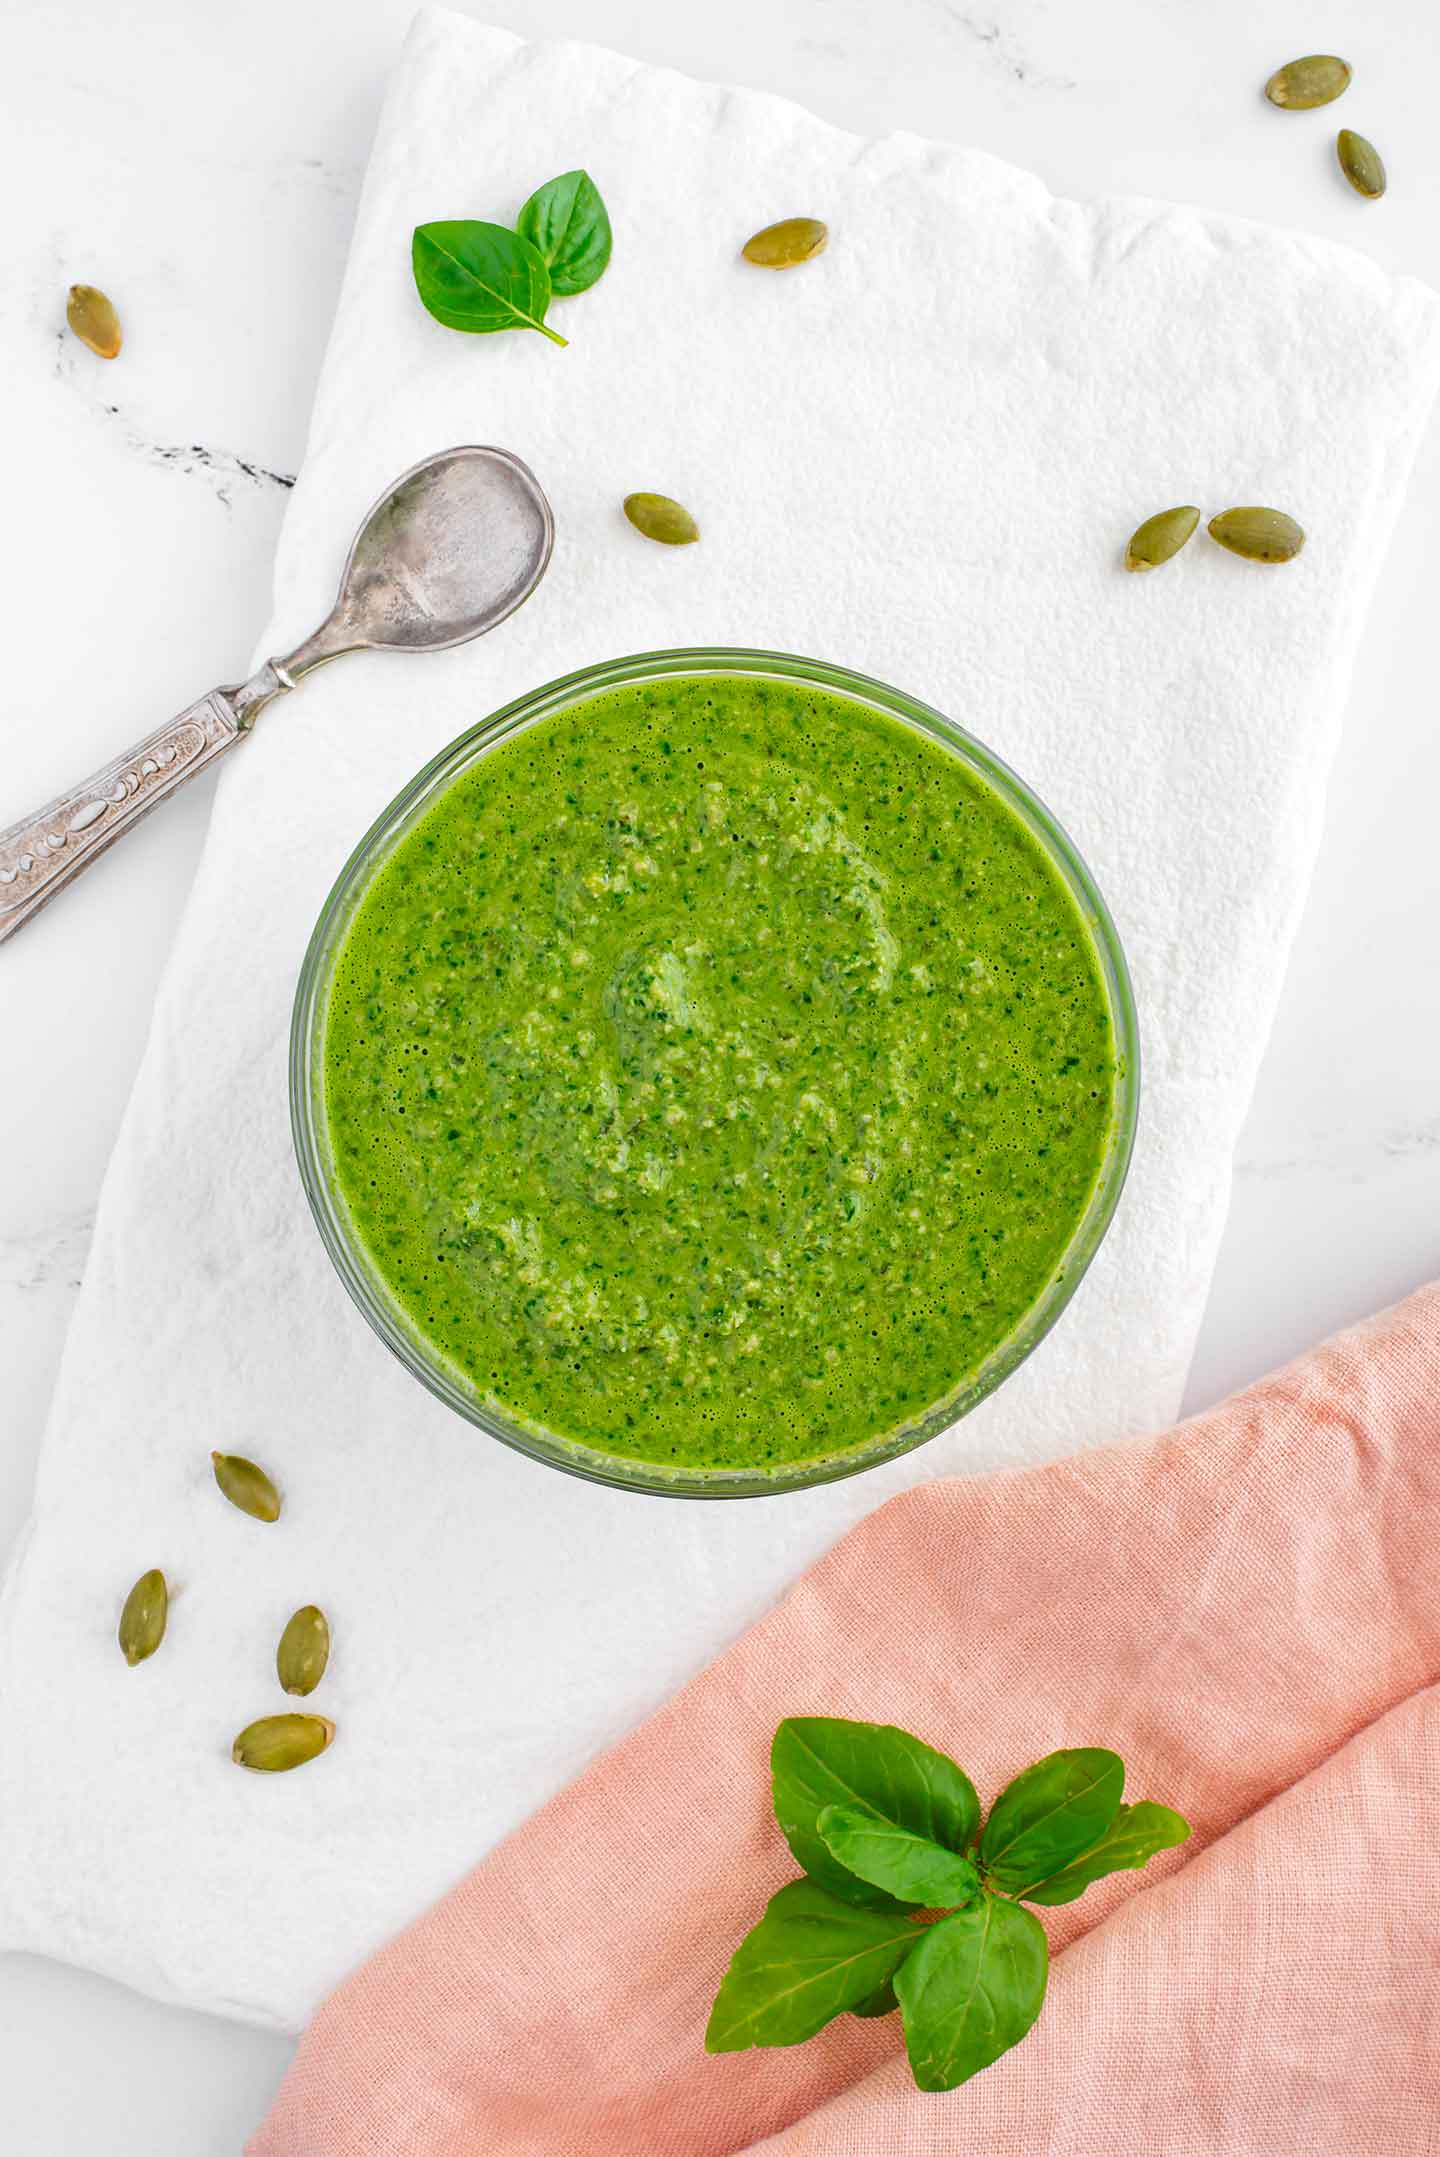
(43, 853)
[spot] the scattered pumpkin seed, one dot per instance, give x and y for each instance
(142, 1621)
(780, 247)
(1161, 536)
(278, 1742)
(246, 1486)
(1361, 164)
(1301, 85)
(659, 518)
(1260, 535)
(93, 319)
(304, 1651)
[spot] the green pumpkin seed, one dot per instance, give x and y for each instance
(1160, 537)
(780, 247)
(1260, 535)
(93, 319)
(246, 1486)
(278, 1742)
(142, 1621)
(304, 1651)
(1361, 164)
(659, 518)
(1301, 85)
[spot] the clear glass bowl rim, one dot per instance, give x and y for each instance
(307, 1116)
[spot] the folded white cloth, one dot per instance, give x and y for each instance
(920, 456)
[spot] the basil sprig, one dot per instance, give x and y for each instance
(971, 1989)
(911, 1867)
(568, 226)
(817, 1761)
(1048, 1815)
(1133, 1837)
(481, 277)
(809, 1959)
(888, 1832)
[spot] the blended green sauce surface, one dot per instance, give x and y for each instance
(716, 1073)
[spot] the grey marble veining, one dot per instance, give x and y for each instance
(1002, 48)
(221, 469)
(53, 1256)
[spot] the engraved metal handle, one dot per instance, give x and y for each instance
(43, 853)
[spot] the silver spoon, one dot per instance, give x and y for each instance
(455, 545)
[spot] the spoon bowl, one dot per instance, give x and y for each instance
(457, 543)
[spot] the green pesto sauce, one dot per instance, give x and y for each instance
(716, 1073)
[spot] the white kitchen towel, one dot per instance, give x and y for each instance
(919, 455)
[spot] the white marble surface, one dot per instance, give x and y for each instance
(202, 161)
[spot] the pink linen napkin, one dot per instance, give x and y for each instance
(1247, 1608)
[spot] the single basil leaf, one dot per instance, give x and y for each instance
(819, 1760)
(879, 2003)
(568, 226)
(1049, 1815)
(1134, 1836)
(909, 1866)
(478, 277)
(809, 1959)
(971, 1990)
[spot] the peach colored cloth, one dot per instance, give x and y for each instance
(1247, 1608)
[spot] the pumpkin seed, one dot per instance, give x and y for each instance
(780, 247)
(278, 1742)
(304, 1651)
(246, 1486)
(1361, 164)
(142, 1621)
(93, 319)
(1160, 537)
(1260, 535)
(659, 518)
(1301, 85)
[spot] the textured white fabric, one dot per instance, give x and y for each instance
(920, 456)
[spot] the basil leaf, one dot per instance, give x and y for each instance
(971, 1990)
(879, 2003)
(1134, 1836)
(479, 277)
(568, 226)
(1049, 1815)
(909, 1866)
(819, 1760)
(808, 1960)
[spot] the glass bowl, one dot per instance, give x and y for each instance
(357, 1270)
